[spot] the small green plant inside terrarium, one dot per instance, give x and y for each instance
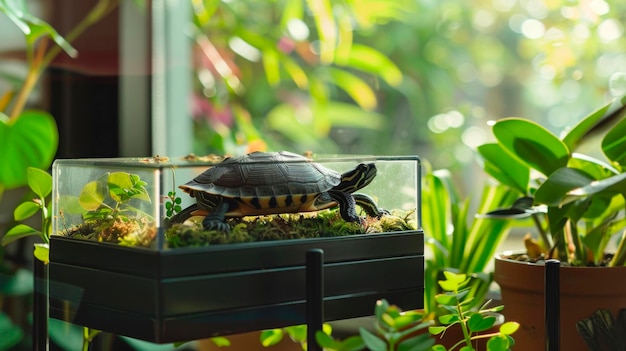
(108, 211)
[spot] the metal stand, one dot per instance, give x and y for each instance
(40, 306)
(314, 296)
(553, 305)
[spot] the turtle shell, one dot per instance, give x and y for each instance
(273, 182)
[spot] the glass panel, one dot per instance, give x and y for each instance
(140, 202)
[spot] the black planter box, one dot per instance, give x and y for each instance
(187, 294)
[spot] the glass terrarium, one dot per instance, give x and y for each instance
(204, 245)
(161, 203)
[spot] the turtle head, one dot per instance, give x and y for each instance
(357, 178)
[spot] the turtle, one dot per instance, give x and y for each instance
(263, 183)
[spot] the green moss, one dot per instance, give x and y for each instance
(284, 227)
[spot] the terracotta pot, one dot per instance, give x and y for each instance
(583, 290)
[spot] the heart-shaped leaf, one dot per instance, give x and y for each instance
(39, 181)
(30, 140)
(25, 210)
(478, 322)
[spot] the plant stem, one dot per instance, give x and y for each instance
(32, 76)
(620, 253)
(542, 233)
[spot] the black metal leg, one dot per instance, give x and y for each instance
(314, 296)
(553, 305)
(40, 306)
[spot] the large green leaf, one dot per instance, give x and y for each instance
(505, 169)
(29, 141)
(593, 122)
(612, 185)
(559, 183)
(614, 144)
(531, 144)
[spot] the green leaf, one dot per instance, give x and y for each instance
(369, 60)
(498, 343)
(352, 343)
(532, 144)
(33, 27)
(25, 210)
(124, 186)
(141, 345)
(421, 342)
(380, 308)
(14, 10)
(271, 337)
(29, 141)
(445, 299)
(354, 86)
(298, 332)
(612, 185)
(39, 181)
(594, 120)
(614, 144)
(478, 322)
(509, 328)
(448, 319)
(373, 342)
(326, 341)
(435, 330)
(91, 196)
(326, 26)
(42, 253)
(559, 183)
(18, 232)
(220, 341)
(507, 170)
(66, 335)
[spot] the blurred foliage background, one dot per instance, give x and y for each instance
(397, 77)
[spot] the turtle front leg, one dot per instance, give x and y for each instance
(368, 205)
(347, 206)
(215, 220)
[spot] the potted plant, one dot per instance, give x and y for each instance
(459, 241)
(576, 202)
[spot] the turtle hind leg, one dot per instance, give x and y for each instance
(183, 215)
(368, 205)
(216, 220)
